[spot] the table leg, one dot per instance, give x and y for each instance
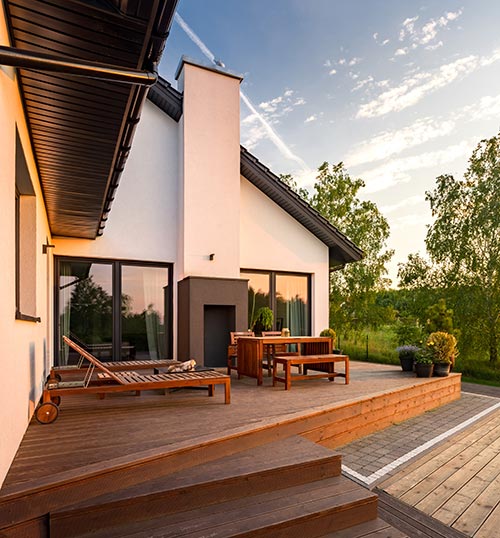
(288, 376)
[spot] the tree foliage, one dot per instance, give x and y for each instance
(465, 236)
(353, 289)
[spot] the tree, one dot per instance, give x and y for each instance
(352, 289)
(465, 237)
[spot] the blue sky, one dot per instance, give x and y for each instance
(401, 91)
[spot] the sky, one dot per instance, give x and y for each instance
(400, 91)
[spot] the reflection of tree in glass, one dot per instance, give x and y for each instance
(255, 301)
(91, 312)
(142, 329)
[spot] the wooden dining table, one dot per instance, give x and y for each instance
(252, 350)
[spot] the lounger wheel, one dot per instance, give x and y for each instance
(57, 377)
(46, 413)
(56, 400)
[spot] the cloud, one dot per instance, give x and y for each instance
(368, 81)
(414, 219)
(397, 170)
(386, 144)
(426, 34)
(280, 106)
(309, 119)
(389, 143)
(407, 202)
(415, 87)
(408, 28)
(332, 72)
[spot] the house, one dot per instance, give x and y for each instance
(141, 238)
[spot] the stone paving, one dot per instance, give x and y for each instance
(372, 453)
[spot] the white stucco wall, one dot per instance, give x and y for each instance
(26, 345)
(142, 224)
(270, 239)
(210, 134)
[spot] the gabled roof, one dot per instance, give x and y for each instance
(81, 128)
(341, 249)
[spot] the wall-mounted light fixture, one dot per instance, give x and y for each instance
(211, 257)
(46, 247)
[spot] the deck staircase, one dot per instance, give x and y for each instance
(286, 488)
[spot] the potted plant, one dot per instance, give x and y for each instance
(443, 348)
(424, 365)
(263, 320)
(330, 333)
(407, 357)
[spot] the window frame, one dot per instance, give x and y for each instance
(116, 287)
(272, 290)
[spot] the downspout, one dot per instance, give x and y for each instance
(46, 62)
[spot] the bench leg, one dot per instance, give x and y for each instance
(288, 376)
(227, 392)
(211, 390)
(346, 362)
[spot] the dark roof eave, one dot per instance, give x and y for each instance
(127, 35)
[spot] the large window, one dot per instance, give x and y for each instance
(117, 310)
(288, 296)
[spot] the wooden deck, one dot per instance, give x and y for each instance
(128, 440)
(457, 483)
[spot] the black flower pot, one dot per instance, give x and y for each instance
(442, 369)
(424, 370)
(406, 364)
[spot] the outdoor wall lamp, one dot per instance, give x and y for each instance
(211, 257)
(46, 247)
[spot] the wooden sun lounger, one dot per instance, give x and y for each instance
(114, 381)
(57, 372)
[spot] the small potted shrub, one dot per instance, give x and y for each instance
(330, 333)
(263, 320)
(407, 357)
(424, 365)
(443, 348)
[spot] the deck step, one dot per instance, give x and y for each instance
(277, 465)
(376, 528)
(308, 510)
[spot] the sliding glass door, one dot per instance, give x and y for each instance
(116, 310)
(287, 294)
(145, 293)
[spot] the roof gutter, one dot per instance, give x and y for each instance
(46, 62)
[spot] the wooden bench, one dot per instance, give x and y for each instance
(325, 364)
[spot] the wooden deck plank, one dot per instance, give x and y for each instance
(480, 510)
(457, 470)
(414, 474)
(472, 478)
(456, 504)
(491, 526)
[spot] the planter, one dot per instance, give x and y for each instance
(406, 364)
(424, 370)
(441, 369)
